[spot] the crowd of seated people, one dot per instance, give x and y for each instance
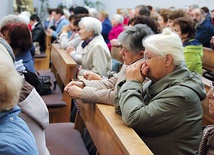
(157, 85)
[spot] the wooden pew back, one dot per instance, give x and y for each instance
(208, 59)
(63, 66)
(42, 62)
(109, 133)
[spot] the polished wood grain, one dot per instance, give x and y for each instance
(109, 133)
(43, 63)
(63, 67)
(208, 59)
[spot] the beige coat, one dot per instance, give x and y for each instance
(102, 91)
(96, 57)
(35, 113)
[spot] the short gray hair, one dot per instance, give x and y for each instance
(131, 38)
(165, 43)
(91, 24)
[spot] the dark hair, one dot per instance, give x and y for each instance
(71, 17)
(78, 17)
(35, 17)
(186, 26)
(149, 7)
(49, 10)
(71, 9)
(58, 11)
(143, 10)
(144, 20)
(80, 10)
(164, 14)
(19, 35)
(206, 10)
(176, 14)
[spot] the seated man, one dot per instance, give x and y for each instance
(166, 112)
(60, 21)
(204, 28)
(16, 138)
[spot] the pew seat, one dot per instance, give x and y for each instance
(63, 139)
(54, 101)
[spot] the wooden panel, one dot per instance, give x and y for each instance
(44, 63)
(109, 133)
(63, 67)
(208, 59)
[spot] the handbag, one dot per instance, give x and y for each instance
(45, 87)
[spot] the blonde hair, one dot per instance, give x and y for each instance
(165, 43)
(11, 82)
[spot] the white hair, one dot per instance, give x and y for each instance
(91, 24)
(11, 19)
(11, 82)
(119, 18)
(165, 43)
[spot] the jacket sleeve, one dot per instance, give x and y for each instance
(160, 116)
(37, 34)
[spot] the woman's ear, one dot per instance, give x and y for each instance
(168, 60)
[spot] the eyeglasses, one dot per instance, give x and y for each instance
(123, 49)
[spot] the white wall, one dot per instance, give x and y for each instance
(6, 8)
(111, 6)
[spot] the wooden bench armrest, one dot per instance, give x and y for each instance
(109, 133)
(208, 59)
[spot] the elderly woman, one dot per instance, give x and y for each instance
(117, 27)
(19, 38)
(103, 91)
(16, 138)
(93, 51)
(166, 112)
(75, 38)
(103, 16)
(193, 50)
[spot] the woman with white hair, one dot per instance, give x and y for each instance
(166, 112)
(93, 52)
(16, 138)
(117, 27)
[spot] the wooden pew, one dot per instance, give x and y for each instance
(207, 118)
(42, 61)
(109, 133)
(208, 59)
(63, 66)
